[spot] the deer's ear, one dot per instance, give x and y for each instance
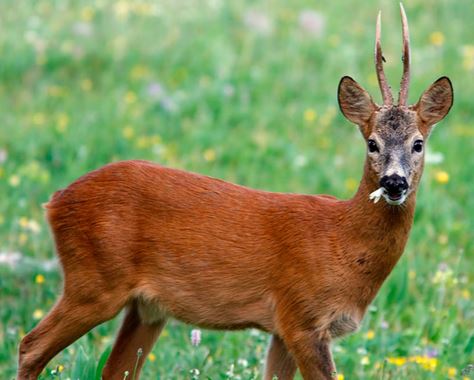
(435, 103)
(356, 104)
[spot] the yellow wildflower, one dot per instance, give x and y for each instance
(443, 239)
(29, 224)
(437, 38)
(23, 222)
(466, 294)
(67, 47)
(130, 97)
(411, 274)
(38, 118)
(365, 360)
(142, 142)
(442, 177)
(323, 142)
(210, 155)
(372, 79)
(38, 314)
(351, 184)
(442, 276)
(425, 362)
(309, 115)
(22, 238)
(139, 72)
(87, 14)
(370, 335)
(128, 132)
(86, 85)
(59, 368)
(62, 122)
(468, 57)
(55, 91)
(261, 138)
(14, 180)
(143, 9)
(398, 361)
(452, 372)
(328, 116)
(334, 40)
(340, 376)
(122, 9)
(151, 357)
(39, 279)
(156, 139)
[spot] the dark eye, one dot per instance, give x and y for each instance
(372, 145)
(418, 146)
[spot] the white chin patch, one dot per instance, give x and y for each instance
(395, 202)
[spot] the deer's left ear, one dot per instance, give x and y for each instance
(435, 103)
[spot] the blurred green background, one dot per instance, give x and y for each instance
(244, 91)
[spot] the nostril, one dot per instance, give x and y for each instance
(394, 183)
(404, 184)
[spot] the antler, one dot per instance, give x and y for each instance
(403, 94)
(379, 59)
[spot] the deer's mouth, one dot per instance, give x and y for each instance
(395, 198)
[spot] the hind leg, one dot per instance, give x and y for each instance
(64, 324)
(134, 334)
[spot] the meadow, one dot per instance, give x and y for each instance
(244, 91)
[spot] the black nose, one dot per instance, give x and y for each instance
(394, 184)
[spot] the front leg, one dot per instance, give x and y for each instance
(312, 353)
(280, 363)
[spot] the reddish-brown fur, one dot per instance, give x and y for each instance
(168, 243)
(213, 254)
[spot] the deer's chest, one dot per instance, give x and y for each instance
(344, 324)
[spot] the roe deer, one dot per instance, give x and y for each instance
(167, 243)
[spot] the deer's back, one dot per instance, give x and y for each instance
(196, 244)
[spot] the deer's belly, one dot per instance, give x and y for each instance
(229, 316)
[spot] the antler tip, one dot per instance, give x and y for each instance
(402, 11)
(378, 28)
(403, 95)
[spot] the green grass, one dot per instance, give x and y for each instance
(188, 84)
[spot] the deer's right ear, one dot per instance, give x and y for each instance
(356, 104)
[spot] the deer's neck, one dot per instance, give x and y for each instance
(374, 235)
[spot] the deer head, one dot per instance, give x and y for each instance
(395, 134)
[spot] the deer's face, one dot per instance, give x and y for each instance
(395, 135)
(395, 148)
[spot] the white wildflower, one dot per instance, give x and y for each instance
(300, 161)
(312, 22)
(375, 196)
(195, 337)
(434, 157)
(10, 259)
(259, 22)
